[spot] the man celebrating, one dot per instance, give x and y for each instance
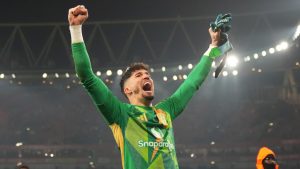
(142, 131)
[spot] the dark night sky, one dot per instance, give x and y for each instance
(56, 11)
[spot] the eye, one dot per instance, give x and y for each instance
(138, 75)
(147, 73)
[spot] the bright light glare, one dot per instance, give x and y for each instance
(284, 45)
(232, 61)
(19, 144)
(165, 78)
(180, 67)
(44, 75)
(56, 75)
(120, 72)
(235, 72)
(271, 50)
(247, 59)
(108, 72)
(297, 33)
(213, 64)
(98, 73)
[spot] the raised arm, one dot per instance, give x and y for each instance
(103, 98)
(184, 93)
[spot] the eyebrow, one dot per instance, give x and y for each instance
(141, 72)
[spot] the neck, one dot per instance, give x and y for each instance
(140, 102)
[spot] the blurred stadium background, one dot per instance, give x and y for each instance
(48, 121)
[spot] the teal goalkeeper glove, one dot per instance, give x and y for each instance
(222, 22)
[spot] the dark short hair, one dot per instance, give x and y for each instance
(23, 167)
(127, 74)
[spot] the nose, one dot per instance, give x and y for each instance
(146, 76)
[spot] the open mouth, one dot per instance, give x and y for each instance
(147, 86)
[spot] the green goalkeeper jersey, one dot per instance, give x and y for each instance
(144, 135)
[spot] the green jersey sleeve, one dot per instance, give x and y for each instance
(177, 102)
(106, 102)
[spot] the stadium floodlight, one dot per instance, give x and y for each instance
(120, 72)
(175, 77)
(56, 75)
(284, 45)
(255, 56)
(225, 73)
(297, 33)
(213, 64)
(19, 144)
(98, 73)
(232, 61)
(235, 72)
(247, 58)
(163, 69)
(264, 53)
(278, 48)
(44, 75)
(165, 78)
(108, 72)
(271, 50)
(180, 67)
(190, 66)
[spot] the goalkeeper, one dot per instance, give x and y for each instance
(142, 131)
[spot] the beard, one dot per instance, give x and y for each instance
(149, 98)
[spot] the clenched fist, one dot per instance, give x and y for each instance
(215, 37)
(77, 15)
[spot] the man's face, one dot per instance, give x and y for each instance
(140, 85)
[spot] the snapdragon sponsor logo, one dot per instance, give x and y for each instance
(154, 144)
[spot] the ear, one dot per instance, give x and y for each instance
(127, 91)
